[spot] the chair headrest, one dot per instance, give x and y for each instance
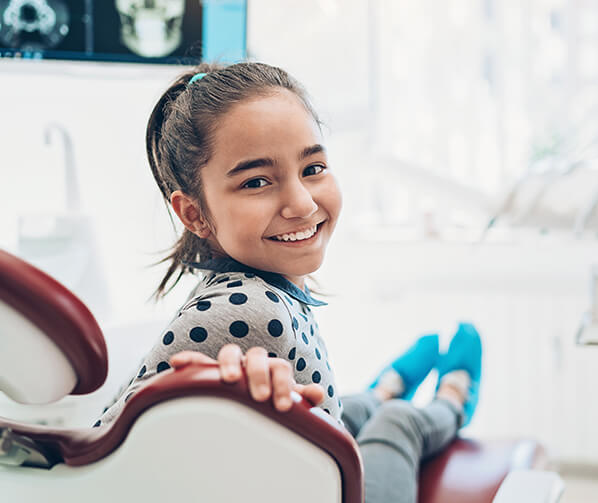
(60, 315)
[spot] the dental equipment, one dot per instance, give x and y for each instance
(63, 243)
(587, 333)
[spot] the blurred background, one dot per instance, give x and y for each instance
(464, 135)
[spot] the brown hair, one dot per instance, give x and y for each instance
(179, 139)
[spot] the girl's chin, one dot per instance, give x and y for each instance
(301, 272)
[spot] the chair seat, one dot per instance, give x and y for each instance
(469, 471)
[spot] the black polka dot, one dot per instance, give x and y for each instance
(168, 338)
(311, 330)
(212, 276)
(162, 366)
(330, 391)
(327, 411)
(223, 279)
(238, 298)
(295, 323)
(142, 372)
(316, 377)
(275, 328)
(292, 353)
(305, 339)
(97, 423)
(203, 305)
(339, 403)
(272, 355)
(129, 396)
(272, 296)
(233, 284)
(300, 364)
(198, 334)
(249, 275)
(238, 329)
(318, 355)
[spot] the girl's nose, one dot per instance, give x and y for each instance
(298, 202)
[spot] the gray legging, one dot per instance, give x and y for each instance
(394, 437)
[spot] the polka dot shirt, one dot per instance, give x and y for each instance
(248, 308)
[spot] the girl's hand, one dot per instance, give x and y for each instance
(266, 376)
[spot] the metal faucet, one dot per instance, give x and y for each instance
(73, 199)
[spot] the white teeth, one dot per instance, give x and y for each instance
(297, 236)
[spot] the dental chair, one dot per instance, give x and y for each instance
(186, 435)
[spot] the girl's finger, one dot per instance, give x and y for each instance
(184, 358)
(313, 393)
(282, 383)
(229, 358)
(258, 373)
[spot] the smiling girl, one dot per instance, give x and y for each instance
(238, 153)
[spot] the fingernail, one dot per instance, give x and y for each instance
(262, 392)
(230, 372)
(284, 403)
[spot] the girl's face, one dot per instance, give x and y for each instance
(272, 199)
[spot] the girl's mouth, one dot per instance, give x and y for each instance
(299, 238)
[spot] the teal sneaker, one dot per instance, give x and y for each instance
(414, 365)
(464, 353)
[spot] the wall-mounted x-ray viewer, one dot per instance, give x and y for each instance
(135, 31)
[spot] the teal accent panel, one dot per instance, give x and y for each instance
(224, 28)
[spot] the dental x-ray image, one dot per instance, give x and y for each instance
(153, 28)
(39, 25)
(148, 29)
(152, 31)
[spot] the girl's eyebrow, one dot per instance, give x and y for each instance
(268, 161)
(250, 164)
(313, 149)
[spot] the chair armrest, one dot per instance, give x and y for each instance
(530, 486)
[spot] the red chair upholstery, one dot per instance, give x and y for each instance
(469, 471)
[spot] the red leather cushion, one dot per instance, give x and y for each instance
(471, 472)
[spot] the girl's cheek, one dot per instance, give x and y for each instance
(333, 195)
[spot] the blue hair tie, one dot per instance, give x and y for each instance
(195, 77)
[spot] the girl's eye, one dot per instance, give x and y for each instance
(256, 183)
(316, 169)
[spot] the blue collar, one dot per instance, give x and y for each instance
(272, 278)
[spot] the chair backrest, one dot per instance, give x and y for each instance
(204, 436)
(50, 343)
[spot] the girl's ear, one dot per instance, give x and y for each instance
(189, 214)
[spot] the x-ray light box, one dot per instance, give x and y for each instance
(134, 31)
